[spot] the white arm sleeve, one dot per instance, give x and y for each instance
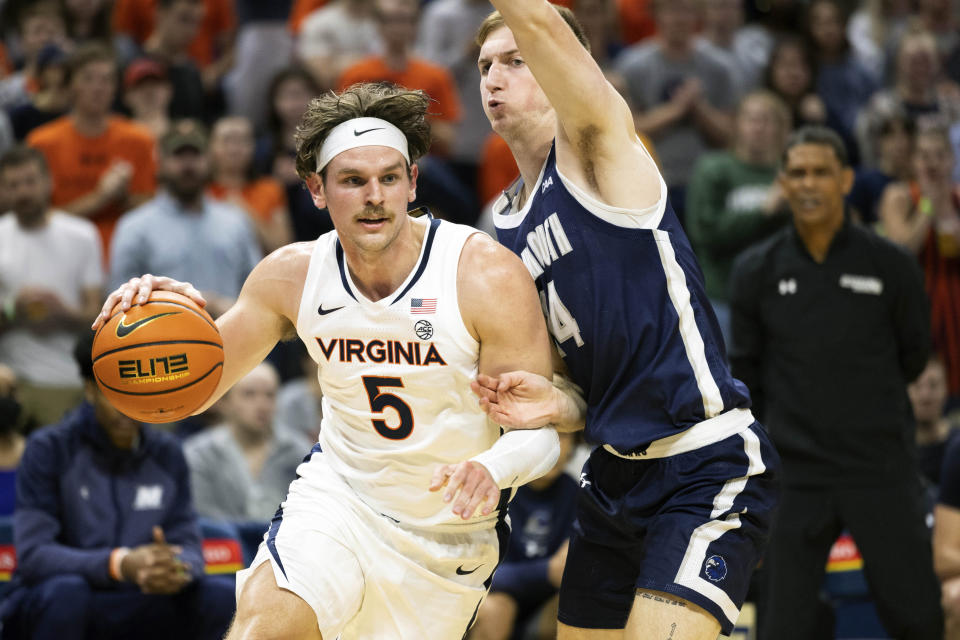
(521, 456)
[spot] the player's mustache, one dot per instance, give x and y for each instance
(373, 211)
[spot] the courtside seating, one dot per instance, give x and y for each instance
(222, 550)
(846, 588)
(8, 555)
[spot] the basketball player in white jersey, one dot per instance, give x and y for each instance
(396, 521)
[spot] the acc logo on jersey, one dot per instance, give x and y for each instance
(424, 329)
(787, 287)
(716, 568)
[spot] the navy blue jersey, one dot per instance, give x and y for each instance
(625, 303)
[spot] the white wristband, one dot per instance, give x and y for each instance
(520, 456)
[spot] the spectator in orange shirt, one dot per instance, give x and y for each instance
(212, 46)
(397, 23)
(102, 164)
(6, 67)
(264, 200)
(497, 168)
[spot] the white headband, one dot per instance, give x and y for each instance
(361, 132)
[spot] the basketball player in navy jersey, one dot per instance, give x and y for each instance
(676, 499)
(395, 523)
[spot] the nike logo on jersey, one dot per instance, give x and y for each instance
(461, 572)
(360, 133)
(324, 312)
(124, 329)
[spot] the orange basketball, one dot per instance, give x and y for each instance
(159, 361)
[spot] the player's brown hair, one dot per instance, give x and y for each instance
(88, 54)
(404, 108)
(774, 102)
(494, 21)
(20, 155)
(45, 9)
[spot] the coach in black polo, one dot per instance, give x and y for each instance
(830, 323)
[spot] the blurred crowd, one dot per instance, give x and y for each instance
(159, 136)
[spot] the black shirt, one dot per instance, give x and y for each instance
(827, 351)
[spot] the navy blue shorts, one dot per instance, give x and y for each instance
(693, 525)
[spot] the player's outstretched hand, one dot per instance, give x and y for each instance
(518, 399)
(137, 291)
(470, 483)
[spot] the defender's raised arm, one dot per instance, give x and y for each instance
(597, 145)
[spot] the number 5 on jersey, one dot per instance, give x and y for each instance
(380, 401)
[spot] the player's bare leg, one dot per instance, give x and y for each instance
(951, 608)
(654, 615)
(267, 611)
(547, 620)
(496, 618)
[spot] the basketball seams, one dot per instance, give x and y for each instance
(203, 314)
(159, 393)
(157, 343)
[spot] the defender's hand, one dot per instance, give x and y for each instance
(470, 483)
(137, 291)
(518, 399)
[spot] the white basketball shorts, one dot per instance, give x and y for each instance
(366, 576)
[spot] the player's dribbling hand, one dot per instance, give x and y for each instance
(469, 485)
(518, 399)
(137, 291)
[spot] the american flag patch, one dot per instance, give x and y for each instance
(423, 305)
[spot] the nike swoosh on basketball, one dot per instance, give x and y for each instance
(324, 312)
(360, 133)
(126, 329)
(461, 572)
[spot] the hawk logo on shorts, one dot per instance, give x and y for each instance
(716, 568)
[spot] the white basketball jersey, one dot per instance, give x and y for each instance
(395, 376)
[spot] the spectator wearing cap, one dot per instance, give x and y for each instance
(52, 97)
(147, 92)
(107, 540)
(182, 232)
(178, 22)
(101, 164)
